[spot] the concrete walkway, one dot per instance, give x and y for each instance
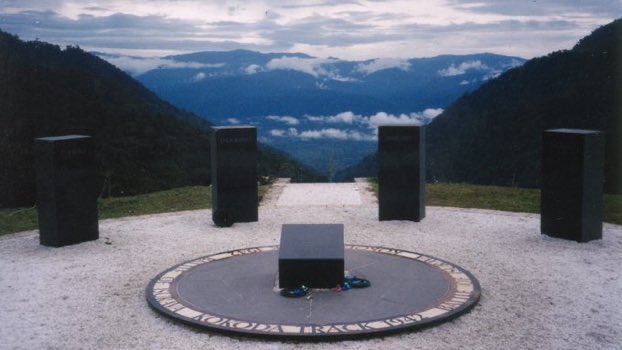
(537, 292)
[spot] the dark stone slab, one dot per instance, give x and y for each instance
(572, 184)
(311, 255)
(234, 175)
(401, 172)
(234, 293)
(66, 190)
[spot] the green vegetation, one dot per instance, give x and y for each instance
(493, 135)
(142, 143)
(483, 197)
(178, 199)
(199, 197)
(275, 164)
(502, 198)
(18, 219)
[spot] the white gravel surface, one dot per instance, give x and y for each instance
(537, 292)
(322, 194)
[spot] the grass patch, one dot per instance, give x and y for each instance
(19, 219)
(177, 199)
(199, 197)
(512, 199)
(483, 197)
(612, 209)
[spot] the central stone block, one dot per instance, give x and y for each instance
(311, 255)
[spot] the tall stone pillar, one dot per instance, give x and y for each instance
(66, 190)
(234, 175)
(572, 184)
(401, 172)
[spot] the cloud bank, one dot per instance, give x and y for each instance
(284, 119)
(139, 65)
(353, 30)
(316, 67)
(351, 126)
(462, 68)
(326, 67)
(311, 66)
(381, 64)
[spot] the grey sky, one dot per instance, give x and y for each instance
(361, 29)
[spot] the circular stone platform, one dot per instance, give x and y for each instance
(235, 292)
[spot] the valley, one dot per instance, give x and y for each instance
(323, 112)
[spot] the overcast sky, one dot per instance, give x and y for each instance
(356, 29)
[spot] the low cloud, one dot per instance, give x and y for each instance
(358, 127)
(344, 117)
(380, 118)
(252, 69)
(200, 76)
(138, 65)
(512, 64)
(432, 113)
(291, 132)
(383, 118)
(336, 134)
(316, 67)
(330, 133)
(381, 64)
(277, 132)
(311, 66)
(326, 133)
(284, 119)
(462, 68)
(233, 121)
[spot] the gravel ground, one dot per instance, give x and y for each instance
(537, 292)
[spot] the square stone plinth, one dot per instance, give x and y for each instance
(311, 255)
(401, 172)
(234, 175)
(572, 184)
(66, 190)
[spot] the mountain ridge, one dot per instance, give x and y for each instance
(143, 143)
(290, 95)
(493, 135)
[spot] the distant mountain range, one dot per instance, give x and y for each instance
(322, 111)
(143, 143)
(493, 135)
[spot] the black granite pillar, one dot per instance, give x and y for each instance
(401, 172)
(572, 184)
(234, 175)
(66, 190)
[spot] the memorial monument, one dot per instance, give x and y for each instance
(311, 255)
(401, 172)
(572, 184)
(234, 175)
(66, 190)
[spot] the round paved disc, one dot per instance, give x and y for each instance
(235, 292)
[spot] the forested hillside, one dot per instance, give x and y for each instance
(143, 144)
(493, 135)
